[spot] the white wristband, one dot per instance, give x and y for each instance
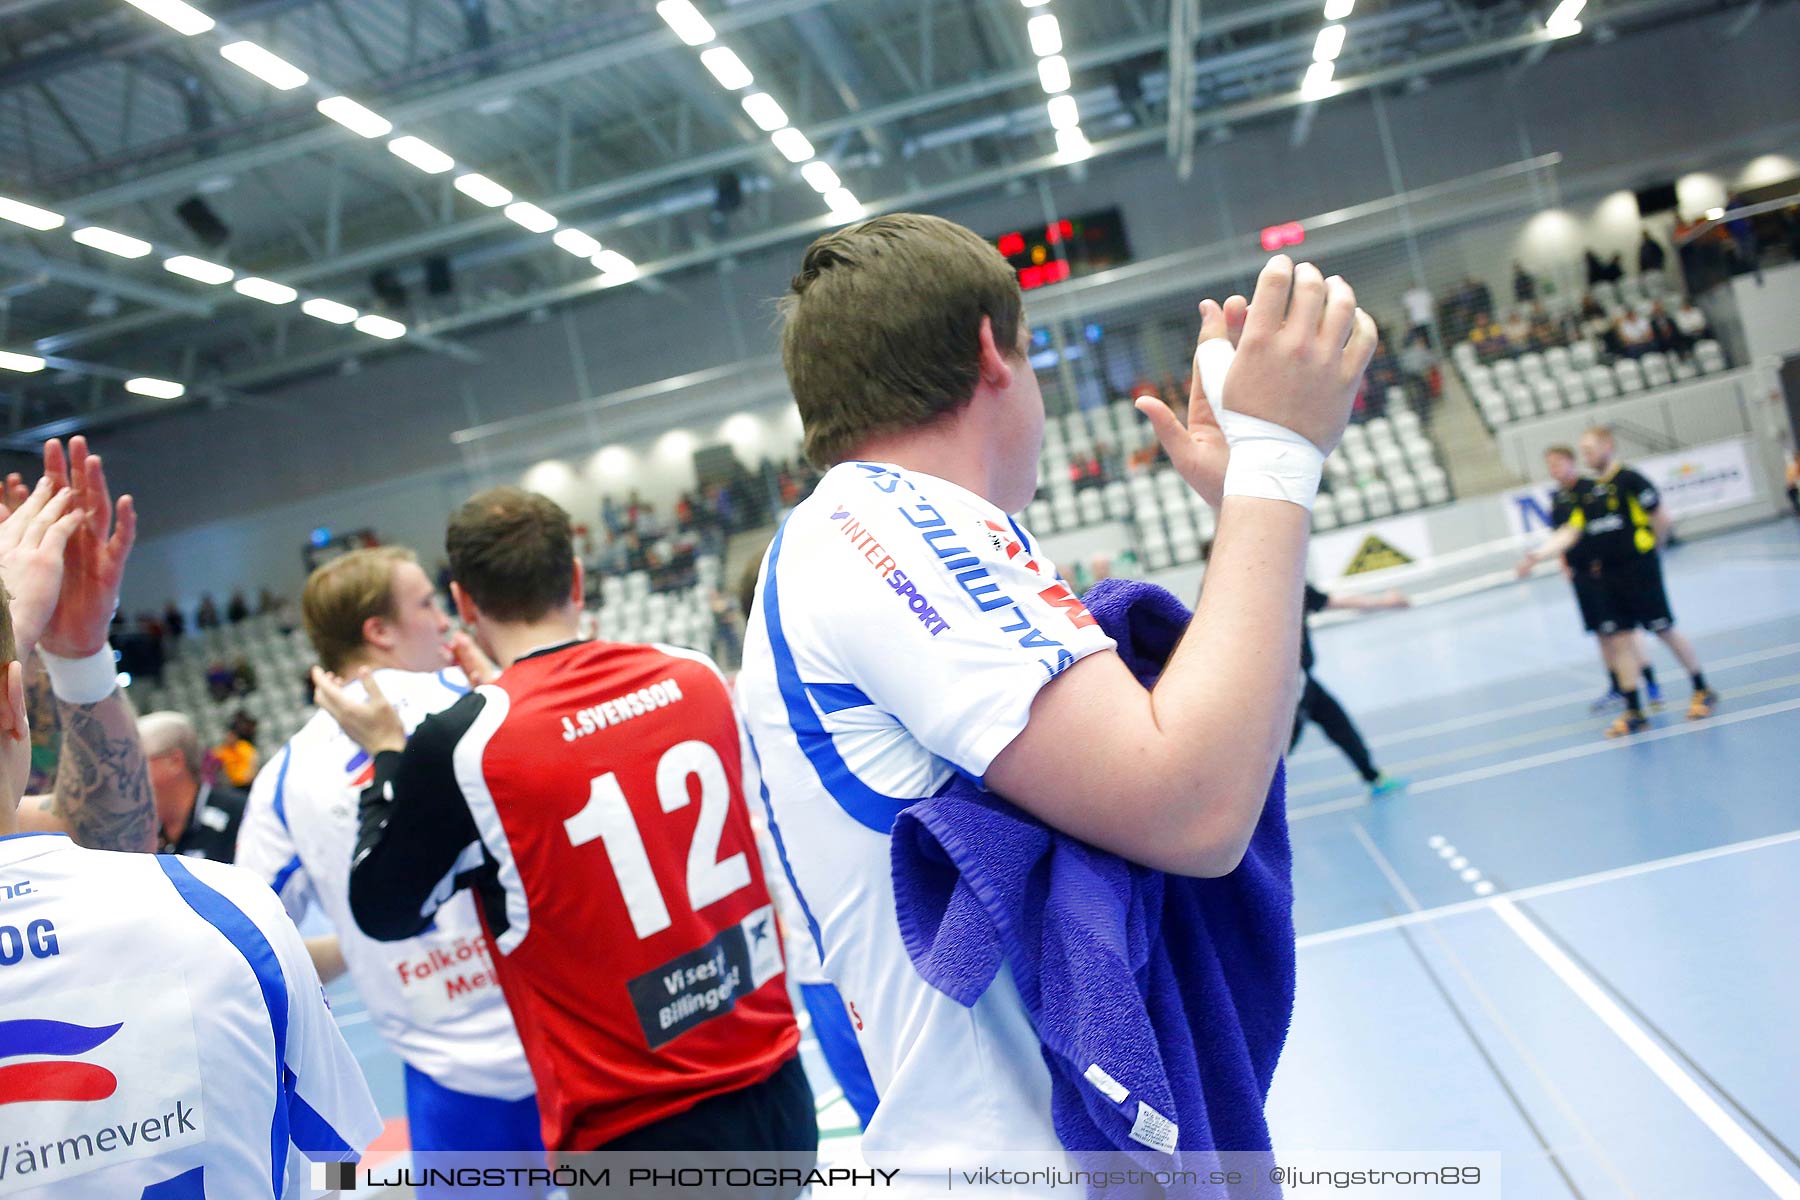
(1268, 461)
(82, 680)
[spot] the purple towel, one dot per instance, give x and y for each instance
(1180, 990)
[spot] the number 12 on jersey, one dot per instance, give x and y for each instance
(607, 816)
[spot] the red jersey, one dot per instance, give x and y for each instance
(603, 822)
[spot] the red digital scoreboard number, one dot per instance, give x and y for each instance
(1274, 237)
(1065, 247)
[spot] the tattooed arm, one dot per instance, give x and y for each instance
(46, 729)
(102, 798)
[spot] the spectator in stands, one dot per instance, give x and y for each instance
(684, 512)
(1793, 479)
(1665, 335)
(1518, 331)
(1635, 338)
(1596, 270)
(194, 818)
(1488, 338)
(1524, 286)
(174, 624)
(1651, 255)
(1615, 268)
(237, 608)
(265, 602)
(1417, 300)
(1692, 322)
(243, 677)
(1419, 370)
(1545, 332)
(1383, 373)
(208, 615)
(220, 680)
(236, 755)
(1597, 326)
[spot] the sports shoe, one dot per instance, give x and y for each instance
(1654, 694)
(1386, 785)
(1607, 702)
(1701, 706)
(1627, 724)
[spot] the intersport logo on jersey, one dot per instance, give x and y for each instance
(114, 1076)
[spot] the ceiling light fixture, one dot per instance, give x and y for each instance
(29, 215)
(686, 21)
(123, 245)
(160, 389)
(727, 68)
(272, 69)
(421, 154)
(530, 216)
(266, 290)
(199, 269)
(352, 116)
(483, 190)
(329, 310)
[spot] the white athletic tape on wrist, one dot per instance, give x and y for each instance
(1268, 461)
(82, 680)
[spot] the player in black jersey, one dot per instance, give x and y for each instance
(1582, 569)
(1621, 521)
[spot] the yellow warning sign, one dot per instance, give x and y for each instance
(1375, 555)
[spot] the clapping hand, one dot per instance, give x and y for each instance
(371, 722)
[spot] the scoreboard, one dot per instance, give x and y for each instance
(1065, 248)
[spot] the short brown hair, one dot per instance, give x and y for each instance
(512, 552)
(343, 594)
(881, 329)
(1561, 448)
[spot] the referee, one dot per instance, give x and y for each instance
(1622, 522)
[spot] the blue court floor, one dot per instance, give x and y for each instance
(1582, 954)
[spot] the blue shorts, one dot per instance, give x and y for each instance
(449, 1122)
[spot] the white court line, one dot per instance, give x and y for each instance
(1387, 868)
(1453, 724)
(1591, 748)
(1383, 924)
(1749, 1151)
(1550, 757)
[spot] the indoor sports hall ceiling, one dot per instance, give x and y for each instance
(301, 183)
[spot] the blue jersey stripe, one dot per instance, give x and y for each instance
(455, 688)
(249, 941)
(312, 1133)
(286, 873)
(189, 1185)
(287, 756)
(836, 697)
(812, 922)
(867, 806)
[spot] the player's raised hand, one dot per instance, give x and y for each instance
(1197, 447)
(1304, 348)
(371, 722)
(34, 537)
(477, 666)
(95, 562)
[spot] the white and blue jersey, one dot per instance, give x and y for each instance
(162, 1033)
(902, 629)
(433, 998)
